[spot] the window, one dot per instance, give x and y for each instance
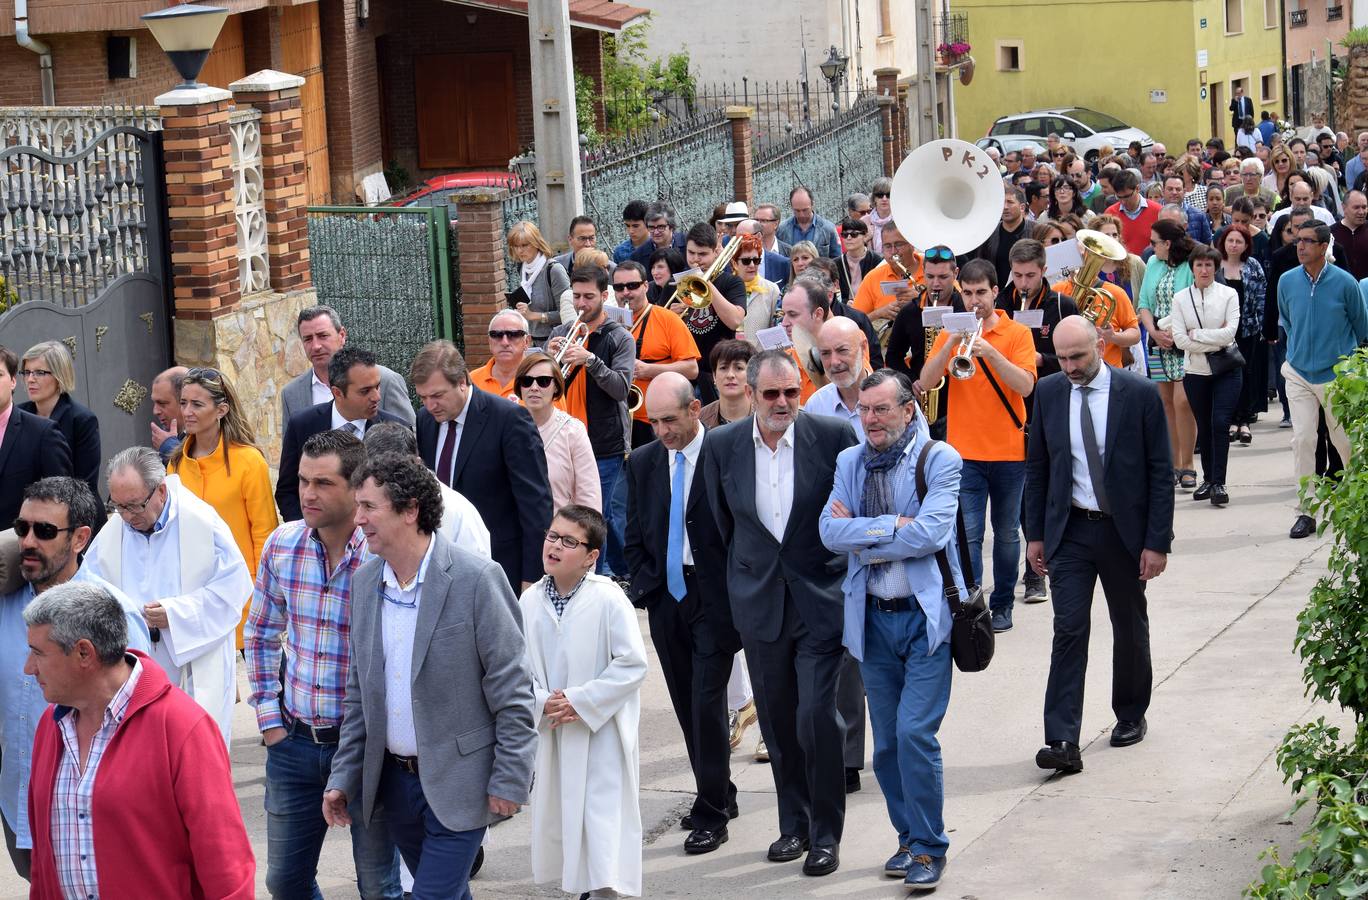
(1268, 86)
(1234, 16)
(1270, 13)
(885, 18)
(1009, 56)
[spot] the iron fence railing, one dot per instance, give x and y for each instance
(842, 157)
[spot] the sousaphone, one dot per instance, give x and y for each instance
(947, 193)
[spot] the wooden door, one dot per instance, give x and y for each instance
(227, 62)
(466, 110)
(1219, 113)
(302, 55)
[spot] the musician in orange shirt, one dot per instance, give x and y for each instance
(663, 341)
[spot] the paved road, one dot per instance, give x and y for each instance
(1182, 815)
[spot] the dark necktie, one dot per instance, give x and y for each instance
(1090, 451)
(444, 459)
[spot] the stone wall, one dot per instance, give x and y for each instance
(255, 345)
(1351, 111)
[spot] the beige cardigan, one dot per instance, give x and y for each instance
(570, 464)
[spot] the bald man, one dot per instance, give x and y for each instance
(678, 565)
(165, 425)
(1099, 506)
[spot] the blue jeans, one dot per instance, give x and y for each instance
(908, 693)
(613, 561)
(1001, 484)
(439, 858)
(296, 773)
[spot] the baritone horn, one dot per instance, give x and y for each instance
(695, 291)
(1098, 249)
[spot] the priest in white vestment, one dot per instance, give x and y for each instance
(588, 662)
(172, 553)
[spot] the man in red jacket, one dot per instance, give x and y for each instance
(132, 791)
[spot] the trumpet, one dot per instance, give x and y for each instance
(962, 365)
(577, 336)
(695, 291)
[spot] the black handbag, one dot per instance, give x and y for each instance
(971, 622)
(1228, 358)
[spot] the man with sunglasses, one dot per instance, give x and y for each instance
(509, 341)
(1081, 177)
(768, 477)
(174, 555)
(54, 526)
(31, 446)
(1137, 214)
(663, 342)
(907, 342)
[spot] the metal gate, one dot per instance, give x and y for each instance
(83, 258)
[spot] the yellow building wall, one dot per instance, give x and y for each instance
(1133, 59)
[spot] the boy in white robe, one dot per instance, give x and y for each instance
(588, 662)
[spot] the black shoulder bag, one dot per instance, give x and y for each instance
(971, 623)
(1016, 420)
(1228, 357)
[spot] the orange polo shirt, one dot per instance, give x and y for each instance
(870, 296)
(483, 378)
(666, 340)
(1124, 317)
(978, 425)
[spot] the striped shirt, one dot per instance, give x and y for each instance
(73, 831)
(297, 598)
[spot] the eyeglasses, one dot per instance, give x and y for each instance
(1125, 196)
(1299, 241)
(772, 394)
(45, 531)
(772, 221)
(862, 212)
(657, 227)
(513, 335)
(34, 373)
(879, 195)
(565, 540)
(541, 381)
(627, 285)
(749, 260)
(1058, 153)
(939, 254)
(131, 508)
(880, 411)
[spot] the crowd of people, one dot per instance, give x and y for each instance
(788, 462)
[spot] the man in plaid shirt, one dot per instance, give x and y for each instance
(303, 600)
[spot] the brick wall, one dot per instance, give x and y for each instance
(352, 92)
(82, 72)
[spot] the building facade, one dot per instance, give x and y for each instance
(1314, 31)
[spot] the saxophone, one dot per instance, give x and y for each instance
(931, 400)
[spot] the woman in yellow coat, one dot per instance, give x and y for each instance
(219, 462)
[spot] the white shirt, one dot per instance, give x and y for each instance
(318, 391)
(338, 422)
(827, 402)
(399, 622)
(773, 480)
(690, 451)
(459, 424)
(1083, 494)
(462, 524)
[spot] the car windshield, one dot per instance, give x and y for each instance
(1095, 120)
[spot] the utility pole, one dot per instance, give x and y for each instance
(555, 130)
(925, 114)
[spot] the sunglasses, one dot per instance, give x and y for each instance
(565, 540)
(541, 381)
(514, 335)
(748, 260)
(204, 374)
(939, 254)
(627, 285)
(879, 195)
(45, 531)
(770, 394)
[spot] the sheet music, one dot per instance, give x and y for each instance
(775, 338)
(959, 323)
(1031, 318)
(933, 316)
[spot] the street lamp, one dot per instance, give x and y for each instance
(187, 34)
(833, 70)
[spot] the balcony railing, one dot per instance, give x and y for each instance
(1296, 18)
(952, 32)
(1334, 13)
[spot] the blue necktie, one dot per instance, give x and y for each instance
(674, 553)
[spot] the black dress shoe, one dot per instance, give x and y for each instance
(1127, 733)
(686, 823)
(852, 780)
(1219, 497)
(703, 841)
(1061, 756)
(822, 861)
(1305, 526)
(1203, 492)
(787, 848)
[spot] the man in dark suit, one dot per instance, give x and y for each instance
(1240, 108)
(1099, 505)
(678, 565)
(769, 476)
(31, 447)
(488, 450)
(354, 377)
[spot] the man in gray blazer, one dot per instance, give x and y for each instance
(438, 724)
(322, 334)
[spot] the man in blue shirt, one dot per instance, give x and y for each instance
(1266, 128)
(806, 225)
(1322, 310)
(53, 527)
(634, 221)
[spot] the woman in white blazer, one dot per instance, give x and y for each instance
(1205, 319)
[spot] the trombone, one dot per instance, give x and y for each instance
(577, 336)
(695, 291)
(962, 365)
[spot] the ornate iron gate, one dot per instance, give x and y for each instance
(84, 260)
